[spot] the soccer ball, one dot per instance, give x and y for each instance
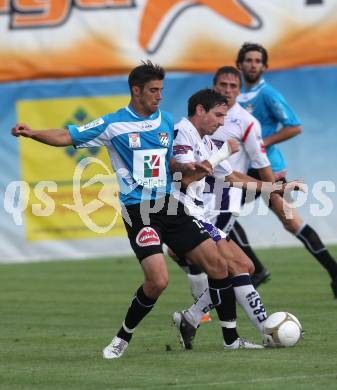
(282, 329)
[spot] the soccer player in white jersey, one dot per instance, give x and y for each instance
(279, 123)
(139, 141)
(246, 130)
(225, 205)
(192, 144)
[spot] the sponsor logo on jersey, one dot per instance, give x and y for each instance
(91, 125)
(164, 139)
(134, 140)
(151, 165)
(146, 125)
(147, 236)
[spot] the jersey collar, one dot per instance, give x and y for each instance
(192, 127)
(254, 87)
(135, 114)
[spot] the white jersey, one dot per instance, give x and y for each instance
(246, 130)
(189, 147)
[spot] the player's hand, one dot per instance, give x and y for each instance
(21, 129)
(295, 185)
(233, 145)
(203, 167)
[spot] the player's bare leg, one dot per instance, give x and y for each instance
(227, 222)
(293, 223)
(239, 236)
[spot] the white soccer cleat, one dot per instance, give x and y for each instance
(186, 332)
(115, 349)
(240, 343)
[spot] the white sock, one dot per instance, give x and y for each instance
(198, 284)
(201, 306)
(250, 300)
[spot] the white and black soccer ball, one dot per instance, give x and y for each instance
(282, 329)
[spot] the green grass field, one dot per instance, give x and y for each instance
(56, 317)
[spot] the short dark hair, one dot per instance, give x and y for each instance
(145, 73)
(208, 98)
(226, 70)
(249, 46)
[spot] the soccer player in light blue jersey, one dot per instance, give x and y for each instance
(279, 123)
(139, 140)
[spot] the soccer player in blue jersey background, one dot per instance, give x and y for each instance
(279, 123)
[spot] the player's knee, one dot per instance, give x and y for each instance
(241, 265)
(216, 267)
(251, 268)
(157, 286)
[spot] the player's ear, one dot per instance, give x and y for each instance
(135, 90)
(199, 109)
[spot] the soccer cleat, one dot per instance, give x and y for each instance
(206, 318)
(115, 349)
(240, 343)
(186, 331)
(334, 286)
(260, 277)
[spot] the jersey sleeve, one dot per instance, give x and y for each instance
(253, 144)
(183, 147)
(280, 109)
(92, 134)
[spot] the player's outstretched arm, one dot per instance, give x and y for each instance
(53, 137)
(240, 180)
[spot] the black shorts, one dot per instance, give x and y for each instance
(180, 231)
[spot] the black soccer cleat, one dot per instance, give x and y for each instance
(260, 277)
(334, 286)
(186, 331)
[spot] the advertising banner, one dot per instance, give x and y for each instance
(63, 202)
(65, 38)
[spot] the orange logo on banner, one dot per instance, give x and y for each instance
(154, 15)
(51, 13)
(37, 13)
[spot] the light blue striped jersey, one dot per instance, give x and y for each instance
(139, 149)
(271, 109)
